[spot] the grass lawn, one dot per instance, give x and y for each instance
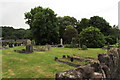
(39, 64)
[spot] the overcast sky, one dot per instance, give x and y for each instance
(12, 11)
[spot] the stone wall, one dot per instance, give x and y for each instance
(107, 67)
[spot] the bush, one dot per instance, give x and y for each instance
(118, 44)
(92, 38)
(110, 39)
(84, 47)
(71, 46)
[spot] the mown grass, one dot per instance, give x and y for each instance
(39, 64)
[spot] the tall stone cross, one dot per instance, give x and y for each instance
(61, 41)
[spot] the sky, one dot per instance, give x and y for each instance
(12, 11)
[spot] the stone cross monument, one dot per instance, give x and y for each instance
(61, 41)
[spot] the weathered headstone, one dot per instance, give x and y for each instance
(29, 42)
(29, 47)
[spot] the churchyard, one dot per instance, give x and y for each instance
(60, 47)
(41, 64)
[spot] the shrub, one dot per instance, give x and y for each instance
(110, 39)
(118, 44)
(84, 47)
(71, 46)
(92, 38)
(33, 42)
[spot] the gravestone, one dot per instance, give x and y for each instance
(61, 43)
(10, 45)
(64, 56)
(29, 47)
(71, 59)
(15, 44)
(28, 42)
(56, 58)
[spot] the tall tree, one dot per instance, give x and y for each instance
(43, 24)
(7, 32)
(66, 21)
(84, 23)
(115, 33)
(70, 32)
(101, 24)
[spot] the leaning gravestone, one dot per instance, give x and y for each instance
(29, 47)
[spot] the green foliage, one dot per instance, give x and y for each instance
(84, 47)
(110, 39)
(71, 46)
(95, 21)
(115, 31)
(70, 33)
(65, 21)
(114, 34)
(28, 34)
(84, 23)
(74, 41)
(118, 44)
(33, 42)
(19, 33)
(11, 33)
(43, 24)
(7, 32)
(101, 24)
(92, 37)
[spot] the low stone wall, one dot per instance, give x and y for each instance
(68, 63)
(107, 67)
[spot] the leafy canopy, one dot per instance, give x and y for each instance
(92, 37)
(43, 24)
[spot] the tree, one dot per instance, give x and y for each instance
(7, 32)
(101, 24)
(84, 23)
(28, 34)
(70, 32)
(19, 33)
(11, 33)
(43, 24)
(92, 37)
(65, 21)
(115, 33)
